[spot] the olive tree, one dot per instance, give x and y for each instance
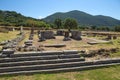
(70, 23)
(58, 23)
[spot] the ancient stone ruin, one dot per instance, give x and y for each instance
(46, 35)
(48, 62)
(66, 36)
(60, 32)
(14, 42)
(28, 43)
(76, 35)
(114, 37)
(7, 52)
(21, 30)
(31, 34)
(109, 37)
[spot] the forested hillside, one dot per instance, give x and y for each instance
(84, 18)
(12, 18)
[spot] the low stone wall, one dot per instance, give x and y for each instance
(13, 43)
(102, 52)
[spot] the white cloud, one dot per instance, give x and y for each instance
(40, 17)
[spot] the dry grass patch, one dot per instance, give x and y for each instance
(9, 35)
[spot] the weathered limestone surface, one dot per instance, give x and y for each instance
(7, 52)
(46, 35)
(60, 32)
(28, 43)
(66, 36)
(76, 35)
(34, 62)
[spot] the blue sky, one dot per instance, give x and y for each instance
(43, 8)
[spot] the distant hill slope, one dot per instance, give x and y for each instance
(84, 18)
(14, 18)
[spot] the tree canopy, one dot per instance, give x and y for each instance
(58, 23)
(12, 18)
(70, 23)
(117, 28)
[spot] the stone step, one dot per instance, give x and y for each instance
(57, 66)
(44, 53)
(30, 58)
(38, 62)
(58, 69)
(55, 45)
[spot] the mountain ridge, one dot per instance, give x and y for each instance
(17, 19)
(84, 18)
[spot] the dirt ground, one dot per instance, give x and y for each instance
(70, 45)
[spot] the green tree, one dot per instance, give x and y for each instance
(58, 23)
(117, 28)
(107, 29)
(93, 27)
(52, 25)
(70, 23)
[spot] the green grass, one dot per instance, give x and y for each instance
(9, 35)
(98, 37)
(117, 54)
(107, 73)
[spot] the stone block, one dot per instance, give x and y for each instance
(60, 32)
(28, 43)
(7, 52)
(46, 35)
(76, 35)
(114, 37)
(66, 36)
